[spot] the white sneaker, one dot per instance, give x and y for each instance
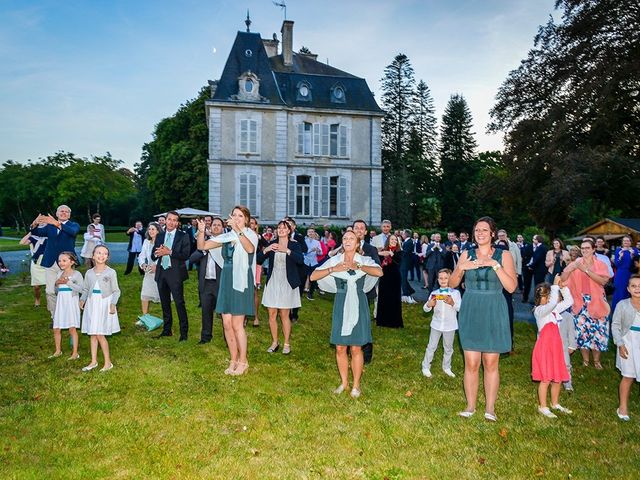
(412, 300)
(621, 416)
(449, 373)
(562, 409)
(355, 393)
(546, 412)
(425, 371)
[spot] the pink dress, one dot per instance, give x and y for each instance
(548, 362)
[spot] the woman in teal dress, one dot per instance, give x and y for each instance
(236, 284)
(484, 317)
(350, 276)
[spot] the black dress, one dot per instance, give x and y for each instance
(389, 310)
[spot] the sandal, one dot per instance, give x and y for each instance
(585, 363)
(232, 367)
(273, 348)
(241, 368)
(597, 365)
(286, 350)
(466, 413)
(490, 417)
(55, 355)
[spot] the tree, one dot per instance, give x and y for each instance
(571, 118)
(173, 167)
(458, 163)
(397, 91)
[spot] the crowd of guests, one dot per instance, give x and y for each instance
(471, 279)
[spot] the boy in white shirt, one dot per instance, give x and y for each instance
(445, 303)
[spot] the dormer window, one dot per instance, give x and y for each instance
(338, 94)
(248, 87)
(303, 92)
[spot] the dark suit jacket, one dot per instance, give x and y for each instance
(468, 245)
(201, 258)
(526, 252)
(370, 251)
(434, 259)
(451, 259)
(539, 256)
(180, 251)
(407, 250)
(60, 241)
(293, 263)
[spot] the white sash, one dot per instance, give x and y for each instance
(350, 313)
(240, 256)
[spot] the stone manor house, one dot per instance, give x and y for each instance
(290, 135)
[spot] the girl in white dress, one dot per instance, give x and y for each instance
(625, 329)
(100, 295)
(67, 314)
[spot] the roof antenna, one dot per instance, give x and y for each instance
(247, 22)
(282, 5)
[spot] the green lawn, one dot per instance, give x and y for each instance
(8, 245)
(167, 410)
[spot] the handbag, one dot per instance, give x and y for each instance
(150, 322)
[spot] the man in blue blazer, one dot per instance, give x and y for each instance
(171, 250)
(61, 236)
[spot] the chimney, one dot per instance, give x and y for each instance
(271, 46)
(287, 42)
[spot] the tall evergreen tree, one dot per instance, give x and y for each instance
(422, 160)
(458, 163)
(397, 91)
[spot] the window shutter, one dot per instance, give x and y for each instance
(253, 136)
(342, 210)
(316, 139)
(292, 195)
(344, 141)
(316, 196)
(325, 140)
(325, 196)
(252, 187)
(301, 138)
(242, 194)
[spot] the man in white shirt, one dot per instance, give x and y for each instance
(380, 240)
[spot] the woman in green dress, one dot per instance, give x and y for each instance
(349, 275)
(484, 318)
(236, 284)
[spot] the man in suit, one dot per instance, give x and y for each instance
(171, 250)
(192, 231)
(406, 265)
(415, 257)
(464, 243)
(434, 261)
(451, 239)
(522, 245)
(136, 237)
(210, 264)
(536, 268)
(360, 229)
(61, 236)
(302, 271)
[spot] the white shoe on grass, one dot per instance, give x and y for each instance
(546, 412)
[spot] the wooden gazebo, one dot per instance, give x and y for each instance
(613, 228)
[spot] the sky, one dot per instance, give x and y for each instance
(96, 76)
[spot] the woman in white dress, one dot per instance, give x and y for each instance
(149, 292)
(282, 291)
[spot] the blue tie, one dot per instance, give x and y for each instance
(168, 242)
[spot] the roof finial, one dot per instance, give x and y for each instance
(247, 22)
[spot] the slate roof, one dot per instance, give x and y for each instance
(279, 83)
(632, 223)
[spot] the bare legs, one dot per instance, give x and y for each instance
(236, 337)
(425, 277)
(145, 306)
(624, 390)
(36, 295)
(57, 338)
(273, 325)
(490, 363)
(596, 357)
(256, 301)
(543, 387)
(357, 365)
(104, 345)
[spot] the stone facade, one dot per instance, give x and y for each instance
(318, 160)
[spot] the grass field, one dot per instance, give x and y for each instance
(167, 410)
(8, 245)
